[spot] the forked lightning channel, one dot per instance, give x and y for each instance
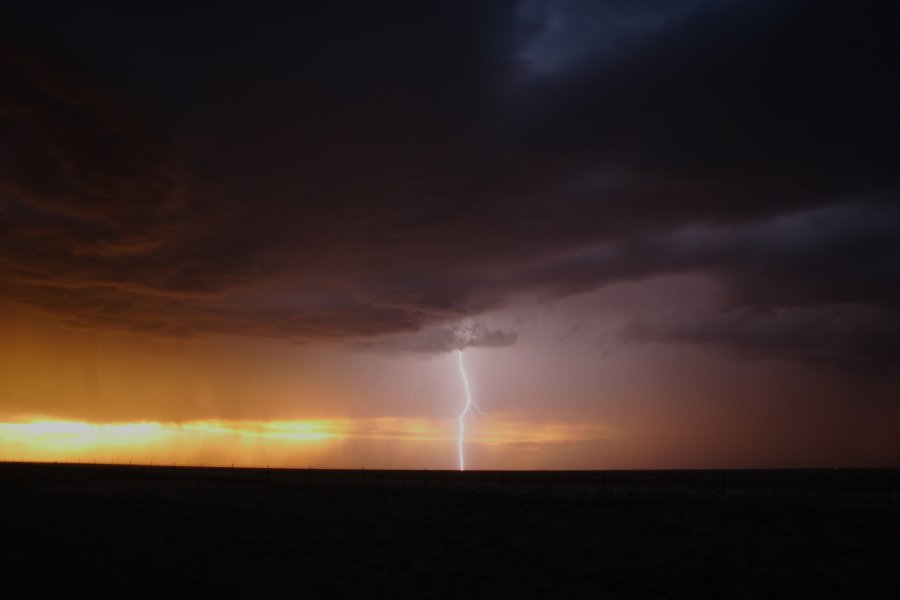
(467, 408)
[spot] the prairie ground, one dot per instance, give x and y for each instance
(142, 532)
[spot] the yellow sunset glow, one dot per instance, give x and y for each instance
(219, 440)
(261, 443)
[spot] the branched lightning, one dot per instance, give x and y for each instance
(467, 408)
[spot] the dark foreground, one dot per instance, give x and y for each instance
(91, 530)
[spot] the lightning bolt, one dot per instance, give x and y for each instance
(467, 408)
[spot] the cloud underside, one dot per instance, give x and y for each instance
(696, 145)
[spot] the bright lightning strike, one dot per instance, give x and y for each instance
(470, 404)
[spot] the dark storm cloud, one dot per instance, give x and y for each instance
(852, 336)
(360, 176)
(436, 340)
(844, 253)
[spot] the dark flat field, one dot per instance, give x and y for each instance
(155, 532)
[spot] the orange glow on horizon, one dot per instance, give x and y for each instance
(286, 443)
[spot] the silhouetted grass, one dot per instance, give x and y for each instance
(89, 530)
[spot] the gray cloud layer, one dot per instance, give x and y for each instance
(300, 187)
(436, 340)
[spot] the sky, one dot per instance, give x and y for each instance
(658, 234)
